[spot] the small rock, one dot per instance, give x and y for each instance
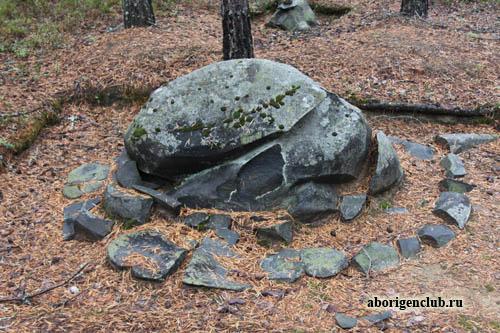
(323, 262)
(452, 185)
(131, 208)
(87, 178)
(388, 172)
(453, 207)
(273, 293)
(344, 321)
(351, 206)
(231, 237)
(280, 231)
(459, 142)
(236, 301)
(313, 201)
(127, 175)
(197, 220)
(378, 317)
(283, 266)
(376, 257)
(437, 235)
(409, 247)
(148, 254)
(417, 150)
(219, 221)
(74, 290)
(162, 199)
(293, 15)
(453, 165)
(80, 222)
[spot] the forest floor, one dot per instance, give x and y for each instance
(452, 58)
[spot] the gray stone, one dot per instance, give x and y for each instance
(351, 206)
(72, 191)
(231, 237)
(197, 220)
(459, 142)
(163, 199)
(409, 247)
(376, 257)
(453, 165)
(247, 146)
(436, 235)
(417, 150)
(131, 208)
(344, 321)
(293, 15)
(127, 175)
(388, 172)
(80, 223)
(219, 221)
(453, 207)
(148, 254)
(279, 231)
(378, 317)
(453, 185)
(312, 201)
(283, 266)
(205, 271)
(87, 178)
(323, 262)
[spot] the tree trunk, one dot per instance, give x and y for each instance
(237, 40)
(415, 7)
(138, 13)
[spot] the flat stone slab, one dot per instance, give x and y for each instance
(417, 150)
(351, 206)
(148, 254)
(388, 172)
(205, 271)
(459, 142)
(409, 247)
(131, 208)
(377, 317)
(453, 165)
(376, 257)
(453, 185)
(162, 199)
(87, 178)
(80, 223)
(197, 220)
(283, 266)
(453, 207)
(277, 232)
(345, 321)
(436, 235)
(323, 262)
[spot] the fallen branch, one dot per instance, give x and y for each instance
(421, 108)
(25, 298)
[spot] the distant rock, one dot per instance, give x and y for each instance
(376, 257)
(436, 235)
(323, 262)
(127, 175)
(87, 178)
(388, 171)
(283, 266)
(205, 271)
(459, 142)
(417, 150)
(344, 321)
(409, 247)
(282, 231)
(293, 15)
(80, 223)
(453, 165)
(162, 199)
(453, 185)
(131, 208)
(351, 206)
(453, 207)
(148, 254)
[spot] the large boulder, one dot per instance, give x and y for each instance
(293, 15)
(251, 133)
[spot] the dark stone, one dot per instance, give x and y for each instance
(205, 271)
(378, 317)
(453, 207)
(436, 235)
(219, 221)
(344, 321)
(312, 201)
(417, 150)
(80, 223)
(164, 200)
(351, 206)
(453, 165)
(388, 172)
(376, 257)
(127, 175)
(323, 262)
(293, 15)
(280, 232)
(453, 185)
(160, 257)
(72, 211)
(459, 142)
(197, 220)
(283, 266)
(231, 237)
(131, 208)
(409, 247)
